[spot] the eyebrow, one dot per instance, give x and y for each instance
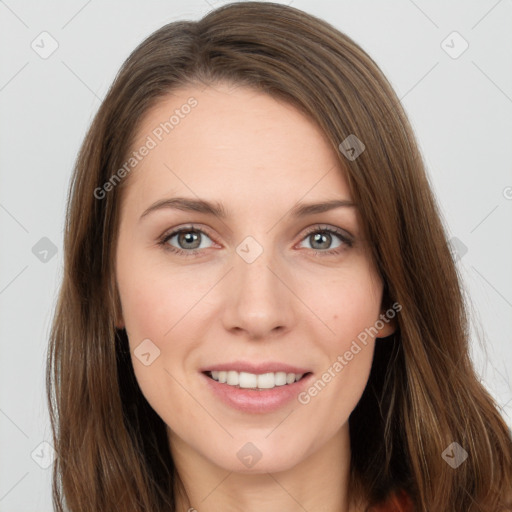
(217, 209)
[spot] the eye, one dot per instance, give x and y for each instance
(321, 240)
(186, 241)
(190, 241)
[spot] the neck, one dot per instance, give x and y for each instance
(318, 483)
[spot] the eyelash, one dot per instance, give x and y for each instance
(315, 229)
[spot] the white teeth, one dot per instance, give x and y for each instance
(233, 378)
(266, 381)
(247, 380)
(280, 378)
(251, 380)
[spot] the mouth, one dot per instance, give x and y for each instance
(264, 388)
(255, 381)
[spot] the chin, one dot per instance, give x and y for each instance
(258, 457)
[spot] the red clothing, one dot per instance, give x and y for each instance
(399, 502)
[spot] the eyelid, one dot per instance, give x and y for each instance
(343, 233)
(346, 238)
(170, 233)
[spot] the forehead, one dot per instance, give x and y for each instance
(227, 141)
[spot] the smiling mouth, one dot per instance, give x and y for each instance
(245, 380)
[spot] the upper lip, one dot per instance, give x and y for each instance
(256, 368)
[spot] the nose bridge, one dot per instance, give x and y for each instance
(258, 302)
(252, 271)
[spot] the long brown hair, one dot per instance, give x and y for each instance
(423, 394)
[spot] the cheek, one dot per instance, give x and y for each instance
(161, 305)
(351, 307)
(154, 307)
(153, 299)
(349, 304)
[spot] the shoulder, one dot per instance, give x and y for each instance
(398, 502)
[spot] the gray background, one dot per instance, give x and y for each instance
(460, 108)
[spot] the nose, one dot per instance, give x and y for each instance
(259, 301)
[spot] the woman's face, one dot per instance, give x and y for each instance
(267, 291)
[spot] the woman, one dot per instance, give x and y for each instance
(309, 349)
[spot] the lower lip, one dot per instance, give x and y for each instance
(256, 401)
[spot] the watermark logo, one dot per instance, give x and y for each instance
(44, 45)
(351, 147)
(335, 368)
(151, 142)
(146, 352)
(454, 45)
(43, 455)
(249, 455)
(454, 455)
(249, 249)
(457, 248)
(44, 250)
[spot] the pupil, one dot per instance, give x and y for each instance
(325, 237)
(189, 237)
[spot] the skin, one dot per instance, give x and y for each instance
(259, 157)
